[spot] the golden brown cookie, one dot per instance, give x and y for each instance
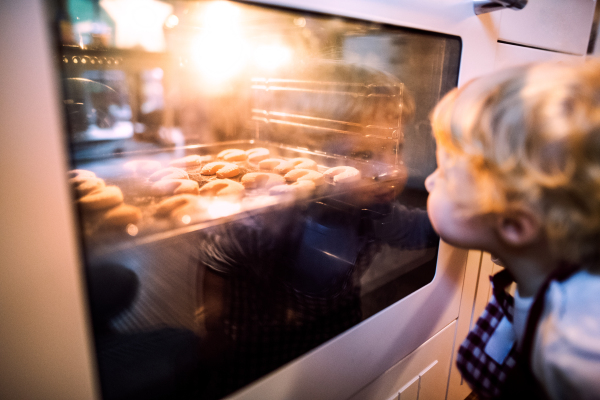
(222, 169)
(297, 189)
(270, 164)
(189, 161)
(168, 173)
(342, 174)
(174, 204)
(88, 186)
(305, 175)
(167, 187)
(122, 215)
(142, 167)
(303, 163)
(78, 176)
(106, 197)
(257, 154)
(232, 155)
(258, 180)
(222, 187)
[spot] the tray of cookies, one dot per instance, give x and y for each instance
(138, 198)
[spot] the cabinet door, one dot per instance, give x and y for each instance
(508, 55)
(550, 24)
(422, 375)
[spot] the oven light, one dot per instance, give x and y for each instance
(219, 57)
(220, 51)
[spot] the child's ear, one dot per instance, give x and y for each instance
(518, 227)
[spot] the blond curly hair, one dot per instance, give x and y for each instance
(532, 137)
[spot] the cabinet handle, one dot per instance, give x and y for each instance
(486, 6)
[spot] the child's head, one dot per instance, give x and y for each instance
(530, 137)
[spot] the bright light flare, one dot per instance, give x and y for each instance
(223, 208)
(272, 57)
(220, 51)
(172, 21)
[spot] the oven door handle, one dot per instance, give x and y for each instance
(486, 6)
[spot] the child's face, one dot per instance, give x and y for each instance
(452, 205)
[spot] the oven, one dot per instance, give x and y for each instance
(131, 280)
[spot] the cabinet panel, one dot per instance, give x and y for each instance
(427, 367)
(508, 55)
(550, 24)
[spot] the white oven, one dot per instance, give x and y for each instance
(355, 83)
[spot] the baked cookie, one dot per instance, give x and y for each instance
(257, 154)
(222, 187)
(77, 176)
(296, 163)
(106, 197)
(232, 155)
(305, 175)
(168, 173)
(173, 205)
(258, 180)
(222, 169)
(298, 189)
(167, 187)
(142, 167)
(88, 186)
(270, 164)
(122, 215)
(189, 161)
(342, 174)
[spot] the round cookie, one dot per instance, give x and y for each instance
(232, 155)
(78, 173)
(305, 175)
(189, 161)
(258, 180)
(168, 173)
(122, 215)
(222, 187)
(174, 204)
(142, 167)
(300, 188)
(257, 154)
(342, 174)
(166, 187)
(88, 186)
(78, 176)
(296, 163)
(106, 197)
(222, 169)
(270, 164)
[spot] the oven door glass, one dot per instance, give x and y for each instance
(249, 181)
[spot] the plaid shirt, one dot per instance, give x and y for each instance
(483, 373)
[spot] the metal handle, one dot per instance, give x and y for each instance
(486, 6)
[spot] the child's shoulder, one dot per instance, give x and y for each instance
(572, 308)
(567, 351)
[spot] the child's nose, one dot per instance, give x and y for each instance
(430, 181)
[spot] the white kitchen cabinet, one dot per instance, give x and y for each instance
(422, 375)
(556, 25)
(508, 55)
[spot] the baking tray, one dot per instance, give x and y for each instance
(100, 239)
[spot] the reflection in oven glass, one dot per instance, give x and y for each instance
(249, 182)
